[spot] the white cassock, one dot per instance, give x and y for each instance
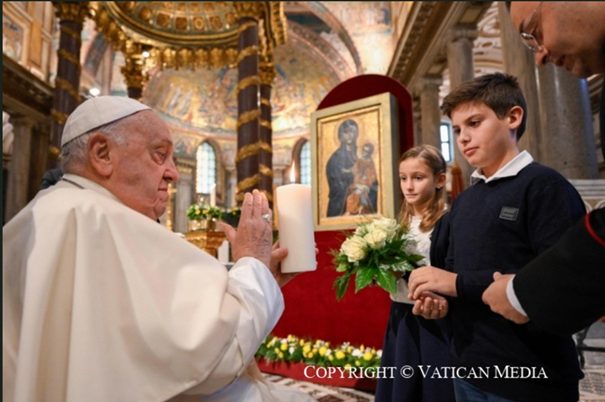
(102, 304)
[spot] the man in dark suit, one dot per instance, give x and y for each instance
(562, 290)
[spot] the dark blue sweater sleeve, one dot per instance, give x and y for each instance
(471, 285)
(552, 209)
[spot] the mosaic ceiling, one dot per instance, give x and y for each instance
(205, 100)
(327, 43)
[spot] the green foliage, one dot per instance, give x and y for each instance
(377, 253)
(198, 212)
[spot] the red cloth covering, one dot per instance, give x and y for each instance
(313, 312)
(333, 379)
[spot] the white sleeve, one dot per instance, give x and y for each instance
(251, 282)
(512, 297)
(262, 303)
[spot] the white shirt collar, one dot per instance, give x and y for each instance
(512, 168)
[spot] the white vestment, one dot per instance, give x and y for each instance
(102, 304)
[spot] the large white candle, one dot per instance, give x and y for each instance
(213, 195)
(295, 218)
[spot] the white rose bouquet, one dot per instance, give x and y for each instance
(375, 253)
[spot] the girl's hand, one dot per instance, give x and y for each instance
(431, 279)
(431, 306)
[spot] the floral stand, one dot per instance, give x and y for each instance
(203, 234)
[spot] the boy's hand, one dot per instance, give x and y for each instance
(495, 297)
(431, 279)
(431, 306)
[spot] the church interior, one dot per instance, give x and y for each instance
(237, 83)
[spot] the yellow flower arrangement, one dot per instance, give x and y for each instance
(318, 352)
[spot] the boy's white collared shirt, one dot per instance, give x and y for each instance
(512, 168)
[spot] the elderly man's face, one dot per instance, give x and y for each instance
(144, 165)
(571, 34)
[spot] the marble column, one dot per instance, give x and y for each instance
(248, 102)
(231, 174)
(38, 157)
(417, 116)
(67, 82)
(519, 61)
(267, 75)
(430, 112)
(185, 194)
(19, 166)
(461, 68)
(8, 137)
(565, 117)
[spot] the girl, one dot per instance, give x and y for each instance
(411, 340)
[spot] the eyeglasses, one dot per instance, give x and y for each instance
(531, 42)
(529, 39)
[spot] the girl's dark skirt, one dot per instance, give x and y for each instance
(412, 341)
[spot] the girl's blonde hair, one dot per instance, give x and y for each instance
(434, 160)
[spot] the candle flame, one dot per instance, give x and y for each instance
(293, 173)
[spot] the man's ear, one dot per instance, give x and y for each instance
(99, 155)
(515, 117)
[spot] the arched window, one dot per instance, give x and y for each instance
(206, 168)
(305, 163)
(447, 145)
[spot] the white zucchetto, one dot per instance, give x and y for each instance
(97, 112)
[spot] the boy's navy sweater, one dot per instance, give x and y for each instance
(501, 226)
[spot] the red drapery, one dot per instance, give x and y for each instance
(312, 310)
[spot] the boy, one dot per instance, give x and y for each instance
(514, 210)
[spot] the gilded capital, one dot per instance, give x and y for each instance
(74, 11)
(132, 48)
(249, 9)
(133, 72)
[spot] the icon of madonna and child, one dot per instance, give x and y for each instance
(352, 179)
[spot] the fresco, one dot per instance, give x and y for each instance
(373, 31)
(366, 17)
(205, 100)
(12, 38)
(303, 79)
